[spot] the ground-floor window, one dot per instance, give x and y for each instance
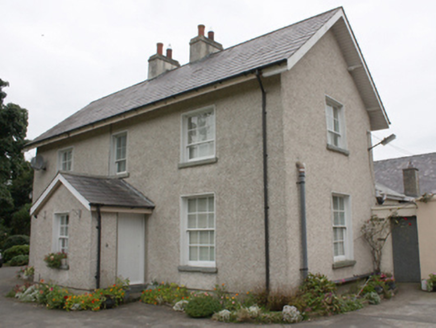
(198, 235)
(342, 239)
(61, 233)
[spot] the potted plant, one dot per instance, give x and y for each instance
(54, 260)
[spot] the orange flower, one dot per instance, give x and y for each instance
(237, 294)
(41, 281)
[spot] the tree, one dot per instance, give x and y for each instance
(16, 174)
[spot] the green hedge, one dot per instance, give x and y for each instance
(16, 240)
(19, 260)
(15, 251)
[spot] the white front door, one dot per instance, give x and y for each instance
(131, 235)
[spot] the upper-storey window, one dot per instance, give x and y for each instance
(198, 135)
(65, 159)
(335, 124)
(119, 153)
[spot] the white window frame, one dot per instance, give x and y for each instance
(346, 227)
(60, 235)
(185, 242)
(185, 145)
(114, 149)
(334, 112)
(62, 162)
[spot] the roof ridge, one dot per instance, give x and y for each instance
(404, 157)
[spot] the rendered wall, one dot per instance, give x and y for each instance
(81, 259)
(426, 219)
(323, 72)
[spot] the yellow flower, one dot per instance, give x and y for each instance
(233, 297)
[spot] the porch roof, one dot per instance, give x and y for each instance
(94, 191)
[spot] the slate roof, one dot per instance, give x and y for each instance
(260, 52)
(389, 172)
(108, 191)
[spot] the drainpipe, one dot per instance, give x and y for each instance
(301, 181)
(97, 276)
(265, 181)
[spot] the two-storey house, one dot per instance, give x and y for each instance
(247, 166)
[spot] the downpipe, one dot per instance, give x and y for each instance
(302, 182)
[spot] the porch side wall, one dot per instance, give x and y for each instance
(80, 274)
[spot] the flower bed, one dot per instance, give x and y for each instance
(316, 297)
(56, 297)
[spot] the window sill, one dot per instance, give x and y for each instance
(197, 163)
(343, 264)
(121, 175)
(62, 267)
(338, 150)
(186, 268)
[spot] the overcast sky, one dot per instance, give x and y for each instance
(58, 56)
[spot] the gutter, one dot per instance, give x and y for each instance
(265, 183)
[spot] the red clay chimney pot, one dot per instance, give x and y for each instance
(201, 30)
(210, 35)
(169, 53)
(159, 48)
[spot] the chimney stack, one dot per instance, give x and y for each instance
(411, 181)
(158, 63)
(202, 46)
(169, 52)
(201, 30)
(211, 35)
(159, 48)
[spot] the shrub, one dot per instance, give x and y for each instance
(226, 300)
(350, 303)
(275, 300)
(14, 251)
(168, 293)
(373, 298)
(19, 260)
(16, 240)
(431, 282)
(203, 306)
(56, 297)
(317, 295)
(378, 284)
(83, 302)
